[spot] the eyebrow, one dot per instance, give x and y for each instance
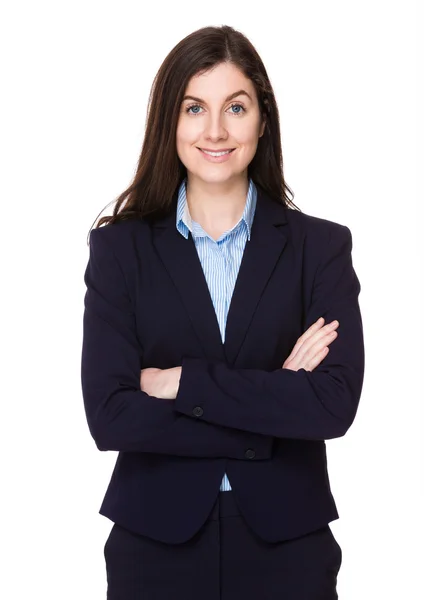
(227, 99)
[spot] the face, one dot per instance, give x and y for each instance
(221, 113)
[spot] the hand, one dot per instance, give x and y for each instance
(311, 348)
(161, 383)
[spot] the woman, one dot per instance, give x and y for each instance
(222, 346)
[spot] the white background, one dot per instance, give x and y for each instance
(76, 78)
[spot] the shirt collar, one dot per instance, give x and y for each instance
(185, 223)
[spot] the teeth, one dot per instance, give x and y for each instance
(216, 153)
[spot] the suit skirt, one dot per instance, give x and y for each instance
(224, 560)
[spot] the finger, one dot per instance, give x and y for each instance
(308, 333)
(319, 331)
(319, 345)
(317, 359)
(316, 329)
(319, 323)
(320, 336)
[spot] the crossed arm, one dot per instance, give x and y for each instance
(309, 350)
(218, 411)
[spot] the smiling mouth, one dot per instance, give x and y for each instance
(216, 151)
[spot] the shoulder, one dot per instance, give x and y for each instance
(115, 232)
(316, 230)
(312, 224)
(117, 237)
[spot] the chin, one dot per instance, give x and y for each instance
(210, 176)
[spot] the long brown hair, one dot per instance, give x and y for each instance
(160, 171)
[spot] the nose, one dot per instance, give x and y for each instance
(215, 126)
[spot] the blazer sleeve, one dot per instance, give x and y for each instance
(120, 415)
(311, 405)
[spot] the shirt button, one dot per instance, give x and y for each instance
(198, 411)
(250, 453)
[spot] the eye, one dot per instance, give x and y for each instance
(232, 106)
(238, 106)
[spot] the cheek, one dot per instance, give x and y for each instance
(187, 132)
(247, 135)
(248, 144)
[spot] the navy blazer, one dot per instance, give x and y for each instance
(237, 411)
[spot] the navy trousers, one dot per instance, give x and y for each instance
(225, 560)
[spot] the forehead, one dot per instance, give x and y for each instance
(220, 82)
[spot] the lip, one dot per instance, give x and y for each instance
(217, 159)
(216, 149)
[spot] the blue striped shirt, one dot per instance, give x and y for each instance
(220, 259)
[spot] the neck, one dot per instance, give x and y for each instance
(219, 205)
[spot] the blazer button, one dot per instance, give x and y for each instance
(250, 453)
(198, 411)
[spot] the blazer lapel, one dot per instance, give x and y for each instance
(180, 258)
(261, 253)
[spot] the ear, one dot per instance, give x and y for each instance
(263, 125)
